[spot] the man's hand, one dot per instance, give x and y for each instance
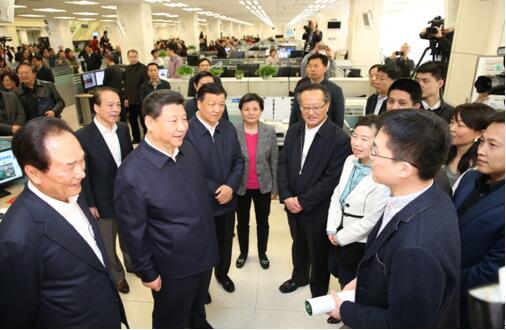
(50, 113)
(328, 51)
(292, 204)
(332, 239)
(155, 285)
(336, 313)
(224, 194)
(126, 103)
(15, 128)
(94, 212)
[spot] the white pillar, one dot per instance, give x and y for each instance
(213, 28)
(59, 33)
(189, 29)
(23, 37)
(136, 23)
(227, 30)
(470, 41)
(238, 30)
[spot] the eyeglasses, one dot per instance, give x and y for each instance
(314, 109)
(375, 154)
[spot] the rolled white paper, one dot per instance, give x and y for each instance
(325, 304)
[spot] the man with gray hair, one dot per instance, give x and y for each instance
(309, 169)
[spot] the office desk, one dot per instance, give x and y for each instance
(179, 85)
(275, 86)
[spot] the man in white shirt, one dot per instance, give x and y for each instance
(53, 265)
(106, 143)
(410, 273)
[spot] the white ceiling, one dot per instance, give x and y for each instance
(279, 11)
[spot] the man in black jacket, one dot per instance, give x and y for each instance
(106, 144)
(385, 76)
(216, 142)
(154, 83)
(316, 68)
(92, 59)
(12, 114)
(164, 214)
(113, 77)
(135, 76)
(430, 76)
(220, 48)
(309, 168)
(43, 72)
(39, 98)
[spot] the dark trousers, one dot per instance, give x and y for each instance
(310, 252)
(348, 258)
(224, 225)
(134, 114)
(262, 203)
(109, 231)
(181, 302)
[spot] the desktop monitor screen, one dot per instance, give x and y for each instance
(99, 77)
(162, 73)
(89, 80)
(9, 167)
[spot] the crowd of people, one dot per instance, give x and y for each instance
(408, 211)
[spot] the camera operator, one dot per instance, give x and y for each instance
(402, 61)
(312, 36)
(324, 49)
(440, 39)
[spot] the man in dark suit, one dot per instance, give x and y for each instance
(135, 76)
(106, 144)
(164, 214)
(53, 264)
(431, 77)
(385, 76)
(91, 58)
(220, 48)
(12, 114)
(316, 67)
(201, 78)
(479, 200)
(216, 142)
(43, 72)
(309, 169)
(409, 276)
(113, 77)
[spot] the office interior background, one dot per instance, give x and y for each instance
(360, 33)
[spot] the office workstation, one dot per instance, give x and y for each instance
(130, 185)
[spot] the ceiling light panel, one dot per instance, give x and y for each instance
(32, 15)
(85, 13)
(82, 3)
(317, 6)
(64, 17)
(19, 6)
(256, 9)
(49, 10)
(110, 7)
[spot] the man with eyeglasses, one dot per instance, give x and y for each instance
(410, 273)
(385, 76)
(53, 264)
(316, 68)
(309, 169)
(215, 139)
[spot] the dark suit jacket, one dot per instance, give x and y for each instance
(135, 75)
(191, 108)
(222, 159)
(14, 112)
(93, 61)
(98, 185)
(113, 77)
(191, 85)
(336, 110)
(372, 100)
(45, 91)
(163, 213)
(482, 237)
(49, 276)
(148, 88)
(445, 111)
(45, 73)
(409, 276)
(222, 52)
(321, 172)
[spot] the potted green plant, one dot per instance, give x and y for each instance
(216, 71)
(162, 53)
(239, 74)
(185, 71)
(191, 49)
(267, 71)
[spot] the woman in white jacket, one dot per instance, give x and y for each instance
(357, 203)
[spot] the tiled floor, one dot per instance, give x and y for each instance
(257, 302)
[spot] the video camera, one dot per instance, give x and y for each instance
(431, 31)
(4, 39)
(491, 84)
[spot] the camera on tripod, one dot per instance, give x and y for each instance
(432, 31)
(4, 40)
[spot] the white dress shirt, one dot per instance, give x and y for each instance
(111, 139)
(436, 105)
(309, 135)
(379, 104)
(74, 215)
(396, 204)
(174, 154)
(210, 128)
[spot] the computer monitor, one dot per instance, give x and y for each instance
(89, 80)
(283, 52)
(192, 60)
(162, 73)
(99, 77)
(249, 69)
(296, 54)
(9, 170)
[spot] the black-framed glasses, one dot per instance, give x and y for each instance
(375, 154)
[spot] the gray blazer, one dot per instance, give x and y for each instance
(14, 112)
(267, 159)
